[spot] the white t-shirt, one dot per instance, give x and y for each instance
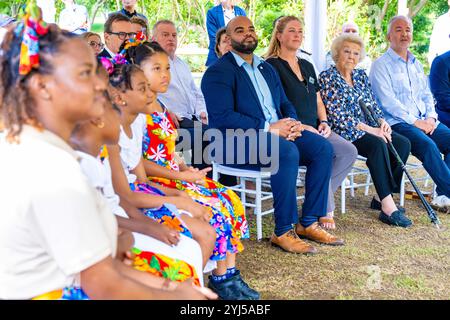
(228, 15)
(53, 223)
(131, 148)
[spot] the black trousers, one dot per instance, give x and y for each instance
(384, 168)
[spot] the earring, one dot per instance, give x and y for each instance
(101, 125)
(124, 103)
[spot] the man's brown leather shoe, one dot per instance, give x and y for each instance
(290, 242)
(315, 233)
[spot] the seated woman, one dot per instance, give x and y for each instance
(167, 254)
(163, 167)
(94, 41)
(300, 85)
(341, 88)
(130, 92)
(223, 44)
(58, 232)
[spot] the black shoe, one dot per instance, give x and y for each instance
(376, 205)
(397, 218)
(228, 289)
(245, 289)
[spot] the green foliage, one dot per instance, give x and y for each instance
(190, 16)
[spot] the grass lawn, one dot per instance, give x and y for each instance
(377, 262)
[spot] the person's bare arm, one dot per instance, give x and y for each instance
(110, 280)
(122, 188)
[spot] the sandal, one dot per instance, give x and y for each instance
(323, 221)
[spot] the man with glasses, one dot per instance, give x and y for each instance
(117, 29)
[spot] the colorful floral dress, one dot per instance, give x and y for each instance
(130, 154)
(227, 211)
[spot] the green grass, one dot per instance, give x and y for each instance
(412, 263)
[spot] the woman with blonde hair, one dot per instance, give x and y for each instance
(301, 87)
(94, 40)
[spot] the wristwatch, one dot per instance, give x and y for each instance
(325, 121)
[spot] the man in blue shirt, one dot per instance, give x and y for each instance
(402, 90)
(243, 92)
(440, 86)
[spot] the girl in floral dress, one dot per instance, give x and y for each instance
(153, 250)
(165, 168)
(129, 91)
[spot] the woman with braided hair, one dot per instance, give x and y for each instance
(57, 232)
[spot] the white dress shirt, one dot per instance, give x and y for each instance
(183, 97)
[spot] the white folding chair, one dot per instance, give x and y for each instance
(356, 170)
(260, 178)
(411, 167)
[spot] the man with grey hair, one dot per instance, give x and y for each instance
(183, 98)
(403, 93)
(349, 27)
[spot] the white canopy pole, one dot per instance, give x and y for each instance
(402, 8)
(316, 31)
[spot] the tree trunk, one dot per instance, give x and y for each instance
(95, 9)
(415, 8)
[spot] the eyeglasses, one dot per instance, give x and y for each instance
(124, 35)
(94, 44)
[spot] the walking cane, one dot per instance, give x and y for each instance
(371, 117)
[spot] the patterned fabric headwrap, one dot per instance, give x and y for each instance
(33, 27)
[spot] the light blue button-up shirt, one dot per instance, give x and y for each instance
(183, 97)
(261, 87)
(401, 88)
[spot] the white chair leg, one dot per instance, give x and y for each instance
(243, 191)
(343, 197)
(366, 189)
(258, 209)
(402, 191)
(352, 188)
(215, 172)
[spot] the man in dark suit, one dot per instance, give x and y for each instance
(440, 86)
(244, 92)
(117, 29)
(218, 17)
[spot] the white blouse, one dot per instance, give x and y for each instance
(131, 148)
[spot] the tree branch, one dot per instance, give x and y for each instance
(414, 9)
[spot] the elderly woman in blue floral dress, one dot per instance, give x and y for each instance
(341, 88)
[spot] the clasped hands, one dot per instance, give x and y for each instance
(288, 128)
(427, 126)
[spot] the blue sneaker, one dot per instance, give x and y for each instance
(397, 218)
